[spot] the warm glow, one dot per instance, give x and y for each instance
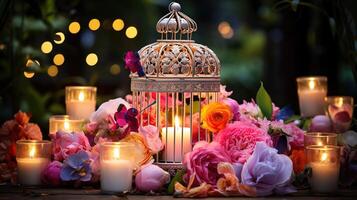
(116, 153)
(312, 84)
(30, 63)
(339, 102)
(58, 59)
(32, 152)
(74, 27)
(319, 143)
(52, 71)
(118, 24)
(225, 29)
(46, 47)
(81, 96)
(29, 74)
(131, 32)
(66, 125)
(177, 122)
(59, 38)
(92, 59)
(94, 24)
(324, 157)
(115, 69)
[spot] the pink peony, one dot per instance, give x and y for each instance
(151, 178)
(152, 138)
(239, 140)
(202, 162)
(51, 174)
(233, 104)
(268, 171)
(66, 144)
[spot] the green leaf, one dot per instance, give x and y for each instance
(177, 178)
(264, 102)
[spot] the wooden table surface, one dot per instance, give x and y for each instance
(19, 193)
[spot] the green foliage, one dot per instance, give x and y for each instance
(177, 178)
(264, 102)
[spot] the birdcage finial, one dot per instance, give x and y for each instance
(176, 25)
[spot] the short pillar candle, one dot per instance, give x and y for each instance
(32, 157)
(116, 166)
(325, 165)
(312, 92)
(80, 101)
(64, 123)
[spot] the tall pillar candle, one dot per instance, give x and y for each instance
(312, 92)
(32, 157)
(177, 141)
(80, 101)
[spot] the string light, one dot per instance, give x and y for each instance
(52, 71)
(58, 59)
(115, 69)
(118, 24)
(30, 63)
(94, 24)
(131, 32)
(225, 29)
(46, 47)
(92, 59)
(59, 38)
(74, 27)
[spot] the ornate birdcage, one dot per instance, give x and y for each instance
(181, 77)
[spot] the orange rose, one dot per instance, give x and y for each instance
(142, 152)
(215, 116)
(299, 160)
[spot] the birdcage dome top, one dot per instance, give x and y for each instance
(175, 56)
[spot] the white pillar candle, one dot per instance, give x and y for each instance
(177, 141)
(80, 102)
(116, 167)
(312, 92)
(31, 167)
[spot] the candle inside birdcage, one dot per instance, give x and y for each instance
(181, 77)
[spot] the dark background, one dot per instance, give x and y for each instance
(272, 41)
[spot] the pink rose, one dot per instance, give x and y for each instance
(151, 178)
(152, 138)
(51, 174)
(202, 162)
(239, 140)
(66, 144)
(268, 171)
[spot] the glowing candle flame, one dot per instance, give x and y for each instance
(177, 122)
(312, 84)
(116, 153)
(32, 152)
(324, 157)
(81, 96)
(66, 125)
(319, 143)
(339, 102)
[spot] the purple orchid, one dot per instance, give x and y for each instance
(132, 62)
(76, 167)
(125, 116)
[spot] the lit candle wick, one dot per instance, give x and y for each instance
(116, 153)
(324, 157)
(339, 102)
(312, 84)
(32, 152)
(81, 96)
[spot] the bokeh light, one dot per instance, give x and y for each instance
(118, 24)
(30, 63)
(131, 32)
(92, 59)
(225, 29)
(46, 47)
(115, 69)
(58, 59)
(94, 24)
(52, 71)
(59, 38)
(74, 27)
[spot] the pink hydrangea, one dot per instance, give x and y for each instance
(66, 144)
(239, 140)
(202, 162)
